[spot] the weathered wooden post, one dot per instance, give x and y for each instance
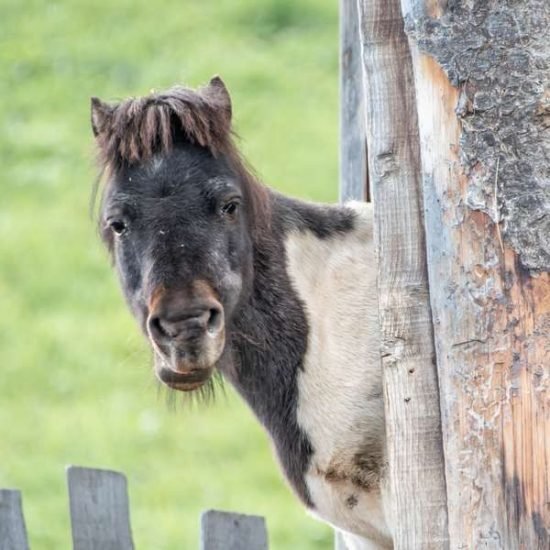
(482, 92)
(353, 140)
(231, 531)
(413, 427)
(100, 512)
(457, 122)
(13, 533)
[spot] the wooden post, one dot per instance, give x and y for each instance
(13, 534)
(231, 531)
(482, 91)
(353, 143)
(339, 542)
(414, 448)
(100, 516)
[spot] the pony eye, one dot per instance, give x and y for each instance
(118, 226)
(230, 208)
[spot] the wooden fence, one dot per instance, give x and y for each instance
(449, 134)
(444, 114)
(100, 518)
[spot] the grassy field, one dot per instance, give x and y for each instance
(76, 385)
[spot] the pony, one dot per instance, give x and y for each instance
(278, 295)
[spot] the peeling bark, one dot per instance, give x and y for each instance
(479, 79)
(497, 54)
(478, 111)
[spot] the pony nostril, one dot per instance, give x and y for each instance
(157, 329)
(214, 320)
(166, 326)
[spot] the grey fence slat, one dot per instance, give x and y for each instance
(229, 531)
(13, 534)
(339, 543)
(100, 515)
(353, 141)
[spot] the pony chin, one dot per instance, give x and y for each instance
(186, 372)
(191, 380)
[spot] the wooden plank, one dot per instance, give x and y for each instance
(414, 449)
(229, 531)
(492, 317)
(353, 144)
(349, 541)
(13, 533)
(339, 543)
(100, 516)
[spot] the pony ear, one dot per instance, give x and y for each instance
(100, 115)
(217, 90)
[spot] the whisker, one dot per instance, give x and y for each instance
(204, 396)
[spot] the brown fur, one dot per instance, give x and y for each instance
(363, 470)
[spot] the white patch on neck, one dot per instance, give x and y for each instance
(340, 406)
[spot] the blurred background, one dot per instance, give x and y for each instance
(76, 385)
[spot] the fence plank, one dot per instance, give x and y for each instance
(13, 534)
(414, 446)
(353, 143)
(229, 531)
(339, 542)
(99, 508)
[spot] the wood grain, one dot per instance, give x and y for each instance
(13, 534)
(100, 516)
(230, 531)
(492, 326)
(414, 448)
(353, 143)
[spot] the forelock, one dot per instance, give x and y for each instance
(137, 129)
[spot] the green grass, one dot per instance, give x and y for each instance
(76, 385)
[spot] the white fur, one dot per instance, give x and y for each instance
(155, 165)
(340, 406)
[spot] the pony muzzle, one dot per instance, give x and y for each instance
(188, 336)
